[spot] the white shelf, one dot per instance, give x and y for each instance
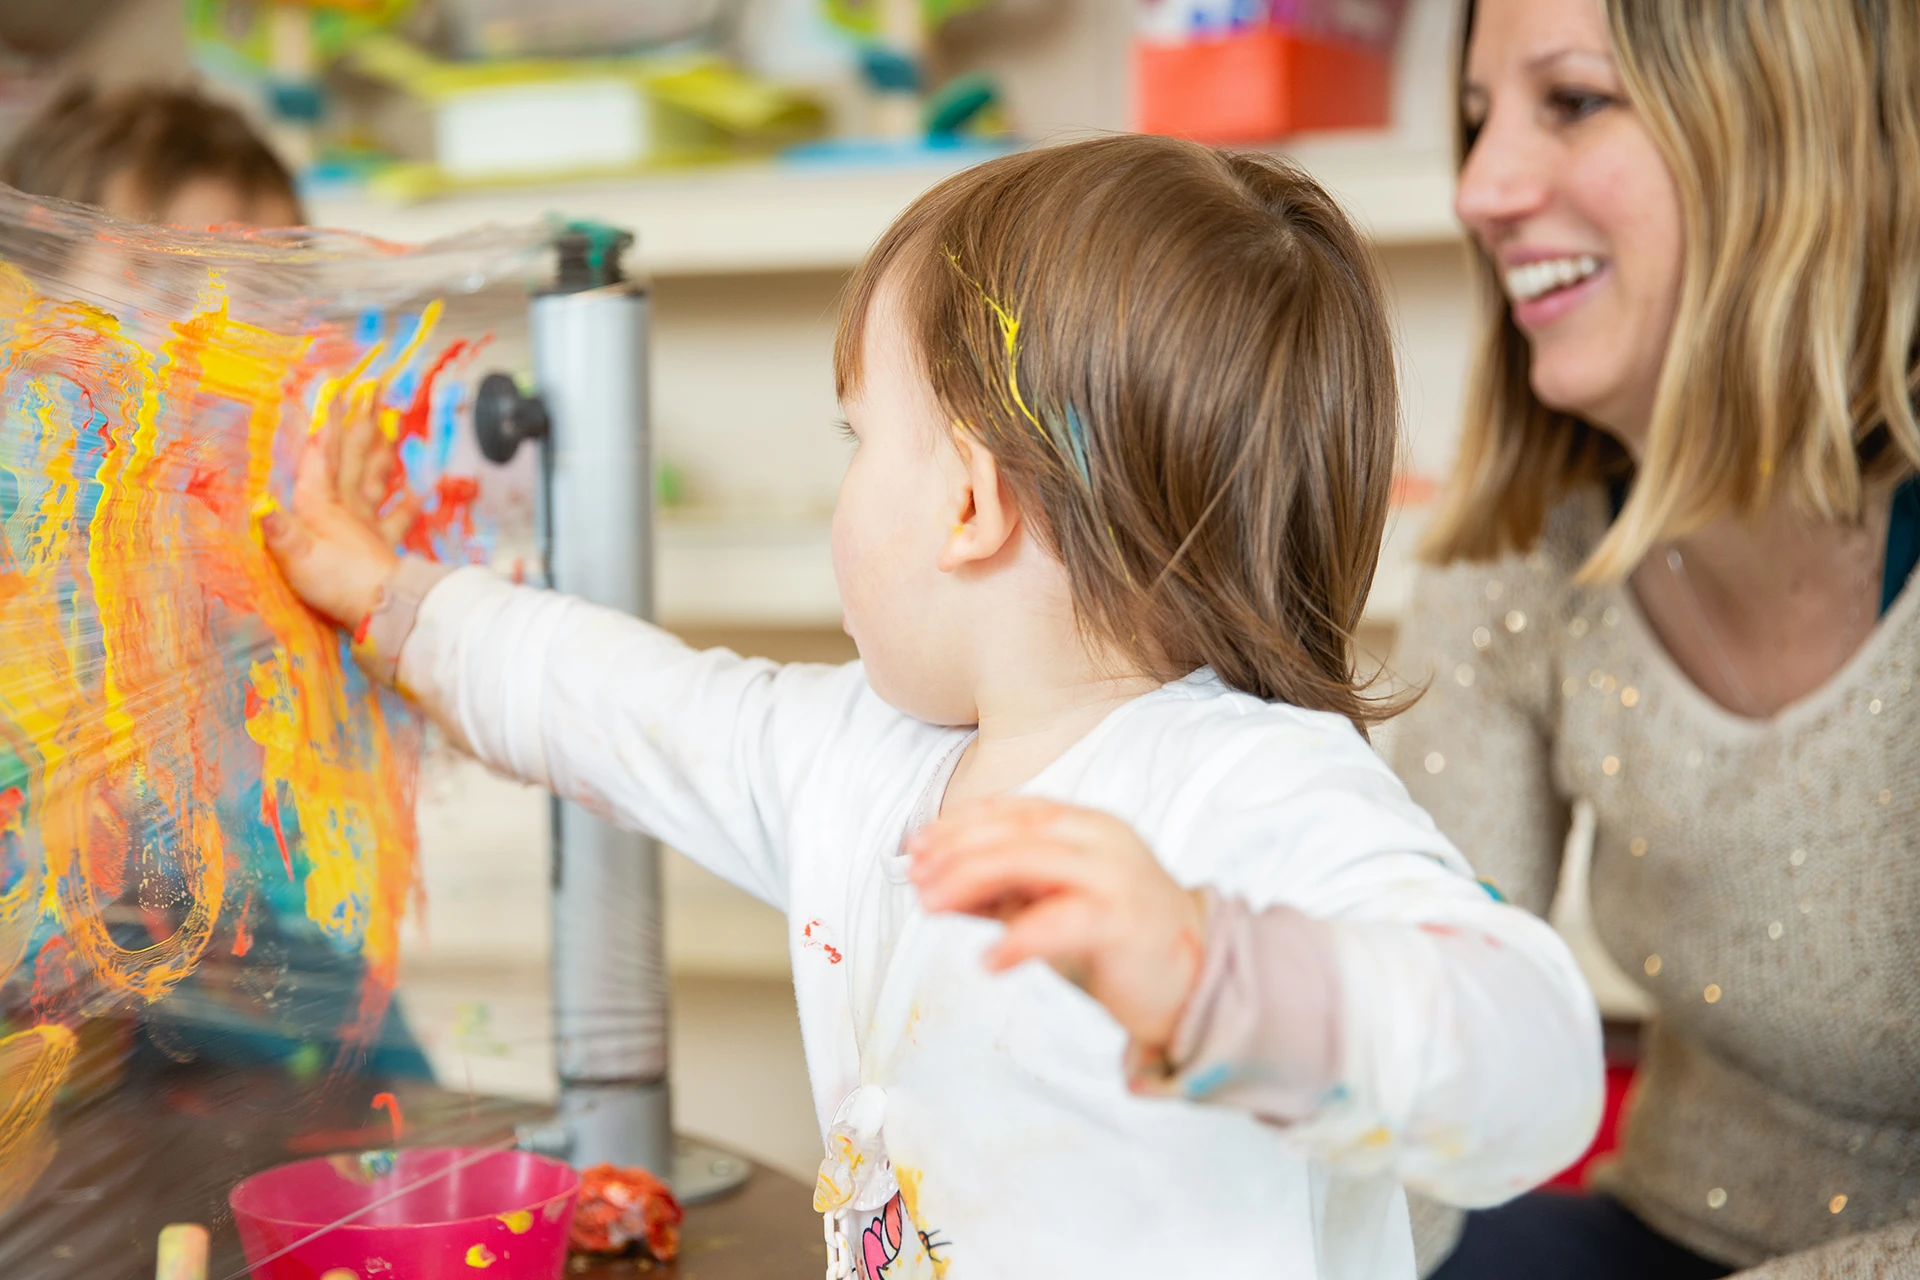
(767, 217)
(721, 572)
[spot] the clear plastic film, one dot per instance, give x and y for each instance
(206, 811)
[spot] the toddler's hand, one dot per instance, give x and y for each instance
(336, 546)
(1078, 889)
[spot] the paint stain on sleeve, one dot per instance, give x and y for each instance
(815, 937)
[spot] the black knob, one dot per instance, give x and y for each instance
(502, 417)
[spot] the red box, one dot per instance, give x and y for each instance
(1252, 86)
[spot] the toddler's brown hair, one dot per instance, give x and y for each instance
(1182, 362)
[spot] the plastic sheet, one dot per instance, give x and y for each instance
(206, 811)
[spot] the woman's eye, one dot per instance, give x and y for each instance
(1569, 105)
(846, 431)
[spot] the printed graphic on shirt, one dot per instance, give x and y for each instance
(892, 1248)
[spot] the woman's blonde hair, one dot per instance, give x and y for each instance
(1181, 361)
(1793, 133)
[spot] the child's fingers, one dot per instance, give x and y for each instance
(313, 475)
(1063, 931)
(356, 447)
(981, 883)
(287, 538)
(376, 485)
(394, 525)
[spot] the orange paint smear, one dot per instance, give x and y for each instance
(392, 1106)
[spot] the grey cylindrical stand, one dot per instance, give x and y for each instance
(610, 994)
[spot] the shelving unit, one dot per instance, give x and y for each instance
(777, 217)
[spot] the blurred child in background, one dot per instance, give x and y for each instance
(175, 157)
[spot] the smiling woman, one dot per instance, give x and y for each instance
(1670, 579)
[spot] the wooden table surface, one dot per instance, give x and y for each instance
(168, 1145)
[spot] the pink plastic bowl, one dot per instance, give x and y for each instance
(429, 1213)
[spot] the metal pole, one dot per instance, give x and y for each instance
(609, 969)
(609, 975)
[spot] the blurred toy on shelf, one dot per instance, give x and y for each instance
(1235, 71)
(272, 59)
(583, 28)
(408, 98)
(454, 124)
(907, 110)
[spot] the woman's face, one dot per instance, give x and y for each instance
(1568, 195)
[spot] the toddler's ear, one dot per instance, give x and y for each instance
(987, 513)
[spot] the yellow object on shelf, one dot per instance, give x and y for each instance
(542, 119)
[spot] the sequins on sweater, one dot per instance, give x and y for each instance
(1760, 879)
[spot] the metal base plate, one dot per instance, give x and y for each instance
(702, 1173)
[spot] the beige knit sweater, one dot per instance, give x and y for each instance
(1761, 879)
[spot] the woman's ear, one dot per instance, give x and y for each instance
(986, 514)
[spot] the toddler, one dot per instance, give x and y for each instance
(1124, 418)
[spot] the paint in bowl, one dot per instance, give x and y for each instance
(423, 1213)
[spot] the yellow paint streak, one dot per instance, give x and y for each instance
(33, 1065)
(520, 1221)
(1009, 324)
(909, 1180)
(480, 1256)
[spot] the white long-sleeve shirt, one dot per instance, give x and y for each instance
(1469, 1061)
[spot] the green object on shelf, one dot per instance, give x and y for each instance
(959, 102)
(862, 17)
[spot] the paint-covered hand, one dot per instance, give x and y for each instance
(1078, 889)
(336, 545)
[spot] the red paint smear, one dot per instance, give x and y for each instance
(391, 1105)
(454, 495)
(270, 811)
(57, 985)
(10, 802)
(413, 418)
(826, 948)
(453, 504)
(215, 489)
(243, 929)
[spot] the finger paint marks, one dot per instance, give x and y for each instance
(519, 1221)
(480, 1256)
(191, 768)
